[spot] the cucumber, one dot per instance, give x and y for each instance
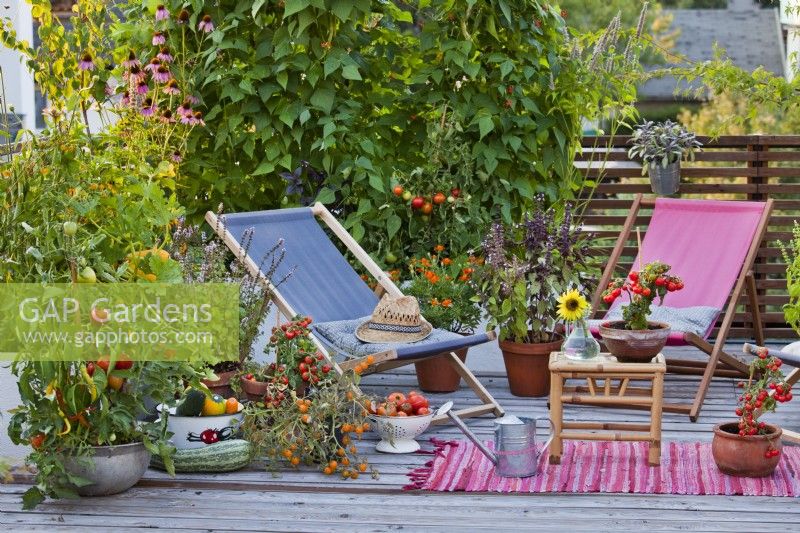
(225, 456)
(192, 405)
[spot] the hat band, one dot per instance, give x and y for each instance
(395, 328)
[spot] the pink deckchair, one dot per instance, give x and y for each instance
(711, 245)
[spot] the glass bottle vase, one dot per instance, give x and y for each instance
(580, 344)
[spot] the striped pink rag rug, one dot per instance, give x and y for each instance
(612, 467)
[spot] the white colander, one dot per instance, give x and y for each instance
(397, 433)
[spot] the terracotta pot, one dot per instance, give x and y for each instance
(254, 390)
(222, 386)
(436, 374)
(526, 366)
(634, 346)
(744, 456)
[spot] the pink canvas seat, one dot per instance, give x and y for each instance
(711, 245)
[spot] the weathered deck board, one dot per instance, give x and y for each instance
(305, 500)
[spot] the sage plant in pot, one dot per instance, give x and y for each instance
(527, 266)
(749, 447)
(661, 146)
(635, 338)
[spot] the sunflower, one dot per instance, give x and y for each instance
(572, 305)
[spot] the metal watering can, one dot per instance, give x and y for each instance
(515, 453)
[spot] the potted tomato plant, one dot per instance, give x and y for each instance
(527, 265)
(749, 447)
(635, 338)
(442, 287)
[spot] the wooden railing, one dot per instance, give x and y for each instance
(746, 167)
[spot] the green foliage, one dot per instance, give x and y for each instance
(350, 89)
(444, 292)
(791, 256)
(661, 144)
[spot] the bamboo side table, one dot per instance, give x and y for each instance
(606, 383)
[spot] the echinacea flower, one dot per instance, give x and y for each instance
(158, 38)
(132, 61)
(176, 156)
(86, 62)
(142, 87)
(135, 74)
(161, 12)
(198, 118)
(153, 64)
(149, 108)
(164, 55)
(192, 99)
(572, 305)
(185, 109)
(126, 98)
(172, 87)
(162, 74)
(206, 25)
(166, 117)
(183, 17)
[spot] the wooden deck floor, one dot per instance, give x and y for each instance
(304, 500)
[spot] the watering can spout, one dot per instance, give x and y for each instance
(446, 409)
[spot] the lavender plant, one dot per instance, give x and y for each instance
(205, 259)
(528, 264)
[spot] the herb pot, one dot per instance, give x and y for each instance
(526, 366)
(634, 345)
(110, 469)
(221, 386)
(436, 374)
(665, 181)
(736, 455)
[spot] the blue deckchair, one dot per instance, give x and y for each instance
(324, 286)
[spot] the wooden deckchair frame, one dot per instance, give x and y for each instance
(382, 360)
(717, 356)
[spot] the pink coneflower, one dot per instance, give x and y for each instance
(149, 108)
(142, 88)
(185, 109)
(161, 12)
(86, 62)
(176, 156)
(162, 74)
(187, 119)
(183, 17)
(132, 61)
(198, 118)
(172, 87)
(164, 55)
(166, 117)
(158, 38)
(109, 90)
(193, 99)
(135, 74)
(205, 24)
(126, 98)
(153, 64)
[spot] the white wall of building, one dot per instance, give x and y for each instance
(791, 23)
(18, 80)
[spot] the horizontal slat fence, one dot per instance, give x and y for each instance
(738, 167)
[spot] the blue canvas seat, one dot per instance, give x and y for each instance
(322, 284)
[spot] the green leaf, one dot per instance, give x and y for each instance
(485, 125)
(326, 196)
(376, 182)
(323, 99)
(32, 497)
(282, 78)
(393, 225)
(256, 6)
(350, 72)
(294, 6)
(505, 68)
(342, 9)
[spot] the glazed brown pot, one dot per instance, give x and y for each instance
(526, 366)
(221, 386)
(436, 374)
(744, 456)
(254, 390)
(634, 346)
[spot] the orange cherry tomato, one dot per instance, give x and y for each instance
(231, 406)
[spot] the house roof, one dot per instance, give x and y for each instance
(750, 35)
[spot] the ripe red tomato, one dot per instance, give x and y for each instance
(455, 192)
(123, 363)
(90, 369)
(439, 198)
(423, 411)
(406, 408)
(398, 190)
(412, 393)
(417, 202)
(427, 208)
(37, 441)
(401, 413)
(396, 397)
(417, 402)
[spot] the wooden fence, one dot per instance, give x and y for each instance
(746, 167)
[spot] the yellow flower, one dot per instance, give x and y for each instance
(572, 305)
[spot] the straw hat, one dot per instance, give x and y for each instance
(394, 319)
